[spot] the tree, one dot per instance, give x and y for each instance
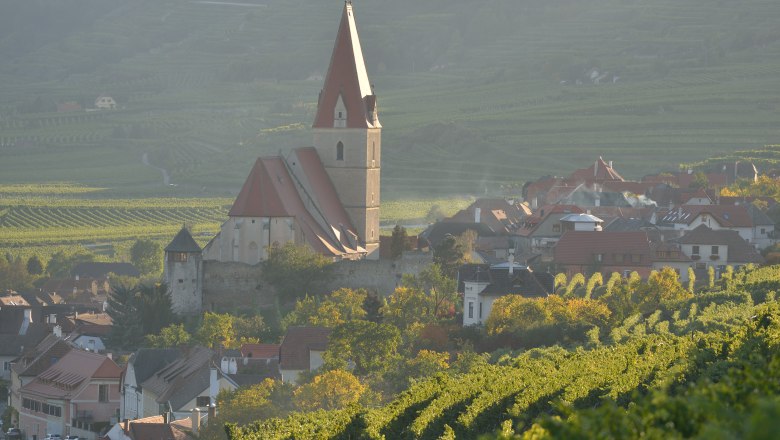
(426, 363)
(249, 327)
(341, 306)
(699, 180)
(216, 331)
(296, 271)
(614, 279)
(397, 241)
(369, 346)
(577, 280)
(331, 390)
(147, 256)
(264, 400)
(13, 274)
(61, 263)
(126, 329)
(560, 280)
(172, 336)
(662, 288)
(154, 307)
(449, 256)
(440, 291)
(34, 265)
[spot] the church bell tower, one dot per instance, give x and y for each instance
(348, 135)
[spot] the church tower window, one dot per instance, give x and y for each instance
(340, 151)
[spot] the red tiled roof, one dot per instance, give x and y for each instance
(347, 78)
(65, 378)
(260, 351)
(298, 342)
(257, 198)
(598, 172)
(580, 247)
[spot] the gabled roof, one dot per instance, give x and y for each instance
(600, 171)
(735, 216)
(66, 378)
(260, 351)
(437, 232)
(739, 251)
(183, 242)
(42, 356)
(297, 344)
(582, 247)
(257, 197)
(522, 281)
(12, 344)
(347, 80)
(175, 380)
(147, 361)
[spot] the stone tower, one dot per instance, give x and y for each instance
(347, 133)
(183, 273)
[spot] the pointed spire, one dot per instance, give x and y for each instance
(183, 242)
(347, 79)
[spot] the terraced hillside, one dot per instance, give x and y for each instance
(470, 95)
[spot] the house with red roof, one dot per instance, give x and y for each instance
(752, 224)
(325, 196)
(301, 350)
(78, 395)
(587, 252)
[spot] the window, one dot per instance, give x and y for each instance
(480, 310)
(636, 258)
(6, 365)
(714, 250)
(202, 401)
(695, 250)
(102, 393)
(340, 151)
(618, 258)
(471, 310)
(598, 257)
(180, 257)
(557, 227)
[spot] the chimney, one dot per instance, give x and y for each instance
(511, 261)
(57, 331)
(212, 412)
(596, 169)
(195, 420)
(77, 277)
(610, 164)
(213, 386)
(477, 214)
(126, 425)
(52, 319)
(25, 322)
(166, 417)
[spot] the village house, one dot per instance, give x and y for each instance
(752, 224)
(301, 351)
(606, 252)
(717, 248)
(33, 361)
(17, 331)
(141, 366)
(157, 427)
(482, 284)
(541, 231)
(191, 380)
(78, 395)
(104, 102)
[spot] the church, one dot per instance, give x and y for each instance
(325, 196)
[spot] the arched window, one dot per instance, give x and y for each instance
(340, 151)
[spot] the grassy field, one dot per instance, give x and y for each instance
(470, 97)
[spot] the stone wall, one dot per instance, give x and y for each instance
(233, 286)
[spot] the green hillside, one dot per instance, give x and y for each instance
(471, 94)
(706, 369)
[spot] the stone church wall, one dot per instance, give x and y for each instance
(233, 286)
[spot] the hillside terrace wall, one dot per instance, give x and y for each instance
(229, 286)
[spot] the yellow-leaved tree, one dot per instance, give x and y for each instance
(330, 390)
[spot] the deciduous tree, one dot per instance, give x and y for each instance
(330, 390)
(370, 347)
(147, 256)
(296, 271)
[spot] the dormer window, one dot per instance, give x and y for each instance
(340, 114)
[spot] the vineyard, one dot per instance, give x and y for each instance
(663, 355)
(45, 218)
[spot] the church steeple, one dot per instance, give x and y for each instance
(348, 135)
(347, 99)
